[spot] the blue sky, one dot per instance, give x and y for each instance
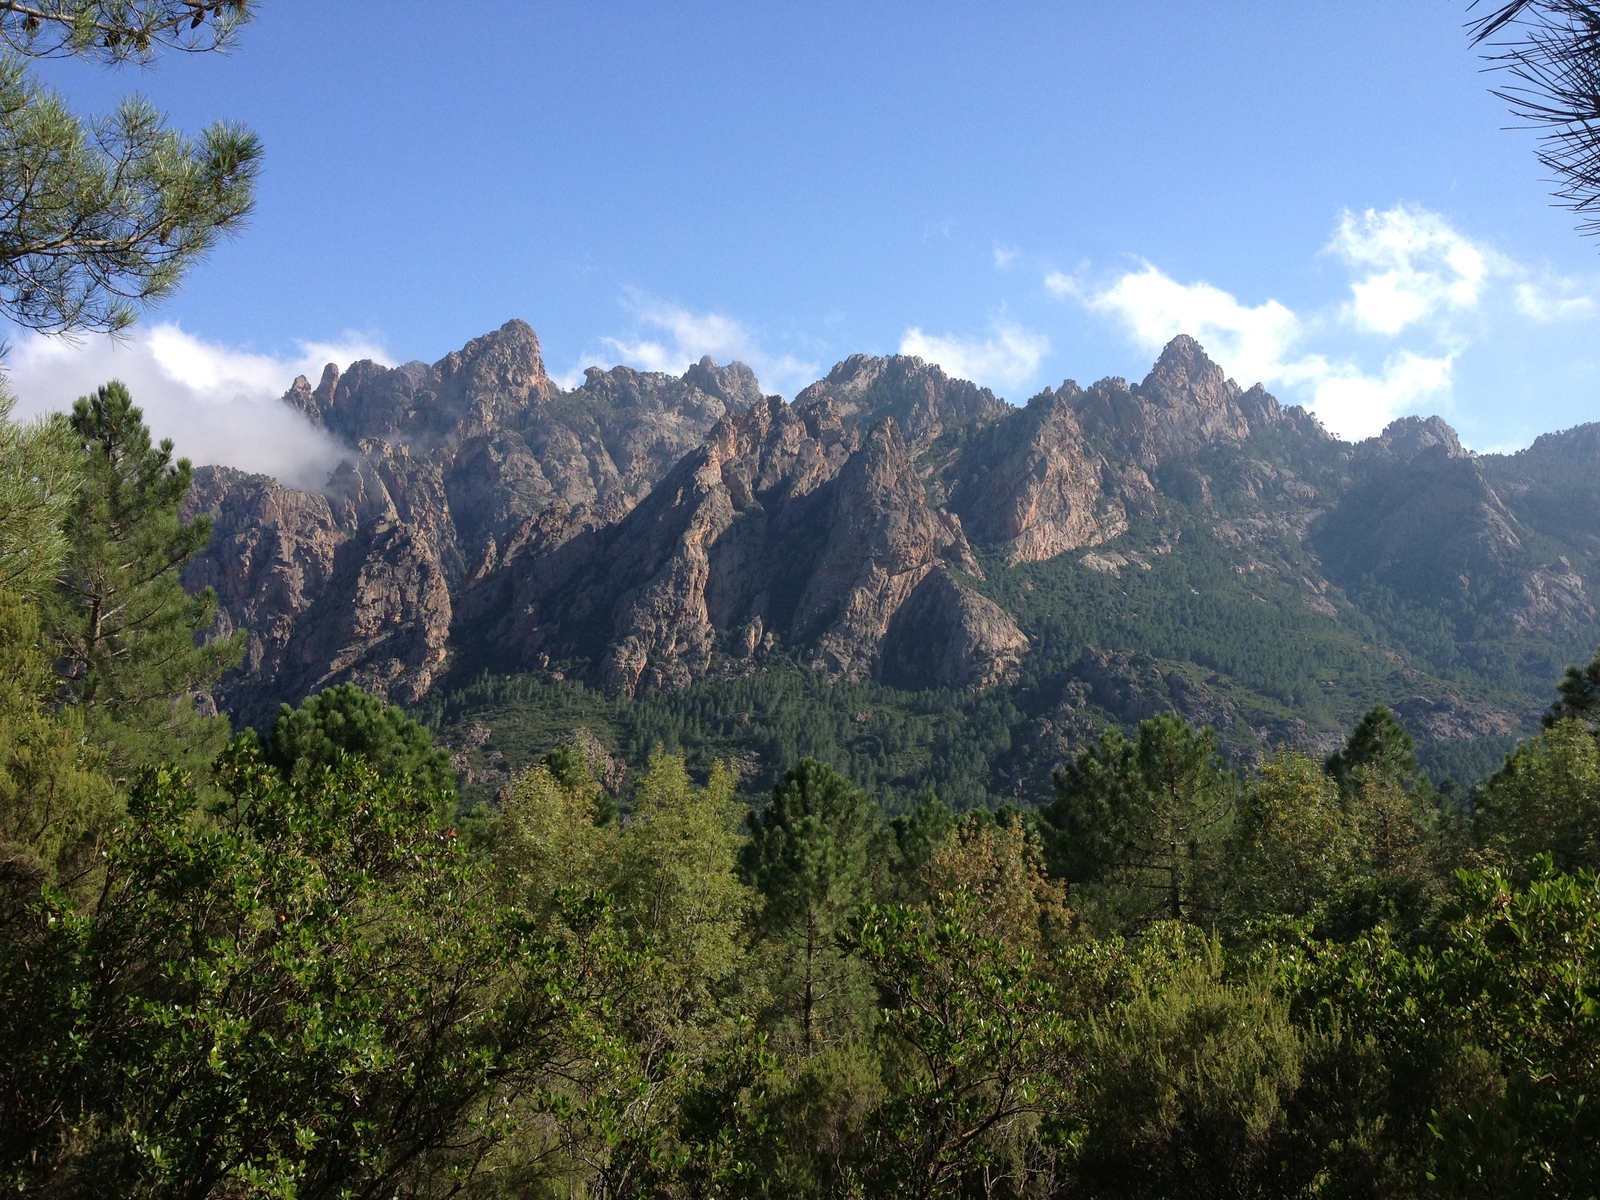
(1324, 193)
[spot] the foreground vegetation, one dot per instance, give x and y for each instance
(299, 964)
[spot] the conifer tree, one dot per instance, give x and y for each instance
(1545, 800)
(1577, 696)
(807, 855)
(1379, 749)
(108, 214)
(1143, 823)
(1296, 844)
(39, 474)
(917, 835)
(132, 654)
(346, 720)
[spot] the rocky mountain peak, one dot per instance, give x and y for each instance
(495, 376)
(1184, 375)
(921, 399)
(1185, 404)
(1404, 439)
(735, 384)
(645, 530)
(484, 384)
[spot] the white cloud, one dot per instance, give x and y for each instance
(1413, 265)
(1252, 341)
(1007, 357)
(1062, 284)
(217, 404)
(1261, 343)
(1552, 301)
(1412, 276)
(1006, 257)
(690, 336)
(1357, 405)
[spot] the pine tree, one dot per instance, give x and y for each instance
(132, 654)
(39, 474)
(1379, 749)
(1545, 800)
(1144, 823)
(1577, 696)
(807, 855)
(104, 215)
(346, 720)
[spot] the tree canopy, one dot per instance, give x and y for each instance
(132, 643)
(1549, 50)
(100, 216)
(344, 720)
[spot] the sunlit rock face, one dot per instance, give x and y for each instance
(643, 531)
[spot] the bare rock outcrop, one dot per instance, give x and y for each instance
(1405, 438)
(878, 546)
(1032, 484)
(784, 528)
(1134, 687)
(947, 635)
(272, 554)
(642, 531)
(454, 468)
(919, 397)
(1186, 404)
(1073, 468)
(1552, 597)
(325, 601)
(1449, 718)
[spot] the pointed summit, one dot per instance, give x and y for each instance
(1184, 374)
(505, 365)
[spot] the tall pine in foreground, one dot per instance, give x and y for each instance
(130, 639)
(808, 855)
(1139, 827)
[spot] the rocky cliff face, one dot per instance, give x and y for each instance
(643, 531)
(454, 468)
(784, 528)
(1036, 487)
(1185, 405)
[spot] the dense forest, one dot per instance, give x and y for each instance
(305, 961)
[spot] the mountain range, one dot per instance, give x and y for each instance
(895, 539)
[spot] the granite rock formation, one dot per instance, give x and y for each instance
(785, 526)
(454, 468)
(643, 531)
